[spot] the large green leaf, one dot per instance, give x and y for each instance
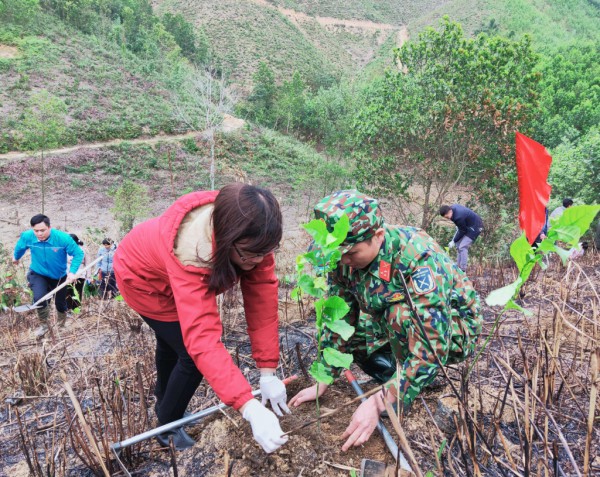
(501, 296)
(336, 358)
(307, 284)
(318, 371)
(340, 230)
(335, 308)
(563, 254)
(341, 327)
(318, 230)
(565, 233)
(519, 250)
(580, 216)
(511, 305)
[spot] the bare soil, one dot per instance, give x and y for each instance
(8, 51)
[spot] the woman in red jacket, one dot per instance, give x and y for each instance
(170, 270)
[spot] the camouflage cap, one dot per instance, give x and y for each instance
(363, 211)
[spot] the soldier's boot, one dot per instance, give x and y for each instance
(380, 365)
(43, 315)
(61, 319)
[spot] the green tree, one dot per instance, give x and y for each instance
(444, 120)
(18, 11)
(575, 168)
(131, 203)
(262, 99)
(43, 127)
(569, 94)
(290, 104)
(193, 46)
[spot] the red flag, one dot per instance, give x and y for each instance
(533, 165)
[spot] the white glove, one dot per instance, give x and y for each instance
(272, 389)
(265, 426)
(451, 244)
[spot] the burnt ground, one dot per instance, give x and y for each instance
(106, 356)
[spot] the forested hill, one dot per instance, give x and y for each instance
(325, 39)
(92, 70)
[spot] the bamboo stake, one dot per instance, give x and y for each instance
(595, 359)
(402, 440)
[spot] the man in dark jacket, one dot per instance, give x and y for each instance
(469, 226)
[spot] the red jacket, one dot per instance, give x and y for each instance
(157, 285)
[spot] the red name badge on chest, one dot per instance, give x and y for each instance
(385, 270)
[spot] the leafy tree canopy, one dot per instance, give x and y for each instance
(575, 169)
(570, 94)
(446, 118)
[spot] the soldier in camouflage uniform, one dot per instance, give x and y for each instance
(369, 277)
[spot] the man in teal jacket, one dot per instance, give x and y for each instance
(49, 249)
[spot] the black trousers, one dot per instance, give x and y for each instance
(41, 284)
(177, 376)
(108, 286)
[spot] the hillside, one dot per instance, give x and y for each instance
(108, 92)
(244, 33)
(550, 23)
(332, 37)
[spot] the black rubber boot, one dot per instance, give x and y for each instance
(380, 365)
(181, 439)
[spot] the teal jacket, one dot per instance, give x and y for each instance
(49, 258)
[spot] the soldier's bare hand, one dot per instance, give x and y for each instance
(307, 394)
(363, 423)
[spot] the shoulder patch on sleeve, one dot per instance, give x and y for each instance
(423, 281)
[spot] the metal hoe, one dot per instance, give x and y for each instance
(33, 306)
(387, 437)
(119, 446)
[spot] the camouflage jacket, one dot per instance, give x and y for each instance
(442, 294)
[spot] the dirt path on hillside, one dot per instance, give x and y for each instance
(229, 124)
(296, 16)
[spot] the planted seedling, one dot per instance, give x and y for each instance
(312, 268)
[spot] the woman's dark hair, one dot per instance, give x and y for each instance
(107, 241)
(242, 212)
(76, 239)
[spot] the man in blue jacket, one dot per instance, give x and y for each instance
(49, 249)
(469, 226)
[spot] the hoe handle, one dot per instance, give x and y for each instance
(64, 284)
(118, 446)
